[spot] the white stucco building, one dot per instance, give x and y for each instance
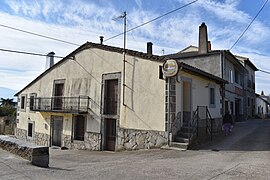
(94, 100)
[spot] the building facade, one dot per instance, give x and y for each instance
(220, 63)
(94, 100)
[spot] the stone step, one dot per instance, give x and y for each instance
(184, 134)
(172, 148)
(181, 139)
(179, 145)
(185, 129)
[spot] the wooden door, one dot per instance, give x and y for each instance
(110, 134)
(58, 99)
(111, 96)
(57, 129)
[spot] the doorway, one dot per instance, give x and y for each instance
(56, 130)
(110, 134)
(186, 102)
(58, 96)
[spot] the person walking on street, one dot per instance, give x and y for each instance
(227, 123)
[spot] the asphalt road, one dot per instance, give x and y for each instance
(245, 154)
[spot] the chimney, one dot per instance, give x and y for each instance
(209, 46)
(49, 60)
(101, 39)
(149, 48)
(203, 39)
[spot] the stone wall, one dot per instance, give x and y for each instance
(41, 139)
(38, 138)
(21, 133)
(37, 155)
(131, 139)
(91, 142)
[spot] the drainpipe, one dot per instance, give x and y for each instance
(169, 109)
(222, 58)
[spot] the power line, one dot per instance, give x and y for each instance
(27, 53)
(40, 35)
(249, 24)
(267, 72)
(152, 20)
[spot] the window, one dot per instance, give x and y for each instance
(231, 76)
(32, 101)
(30, 129)
(23, 102)
(212, 97)
(248, 99)
(79, 128)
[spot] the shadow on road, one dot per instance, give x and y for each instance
(251, 135)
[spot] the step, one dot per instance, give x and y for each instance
(184, 134)
(185, 129)
(179, 145)
(181, 139)
(172, 148)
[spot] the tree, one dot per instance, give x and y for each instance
(7, 102)
(7, 107)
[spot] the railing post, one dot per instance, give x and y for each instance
(79, 104)
(198, 123)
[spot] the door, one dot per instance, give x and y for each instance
(110, 134)
(58, 99)
(57, 129)
(111, 97)
(237, 109)
(186, 103)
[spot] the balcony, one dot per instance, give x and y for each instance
(78, 105)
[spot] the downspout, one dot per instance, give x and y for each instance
(222, 58)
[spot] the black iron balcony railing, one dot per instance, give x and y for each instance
(60, 104)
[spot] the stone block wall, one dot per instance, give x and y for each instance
(91, 141)
(38, 138)
(132, 139)
(41, 139)
(37, 155)
(21, 133)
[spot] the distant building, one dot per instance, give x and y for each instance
(262, 106)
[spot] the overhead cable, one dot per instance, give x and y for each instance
(136, 27)
(40, 35)
(249, 24)
(27, 53)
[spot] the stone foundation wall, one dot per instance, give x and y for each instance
(41, 139)
(91, 142)
(131, 139)
(38, 138)
(21, 133)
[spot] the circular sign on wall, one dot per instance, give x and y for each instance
(170, 68)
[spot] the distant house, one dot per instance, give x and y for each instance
(220, 63)
(262, 106)
(94, 100)
(249, 85)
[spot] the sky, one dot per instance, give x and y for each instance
(85, 20)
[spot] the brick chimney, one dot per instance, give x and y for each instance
(101, 39)
(203, 39)
(149, 48)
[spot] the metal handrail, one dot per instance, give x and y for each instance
(209, 130)
(61, 104)
(194, 125)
